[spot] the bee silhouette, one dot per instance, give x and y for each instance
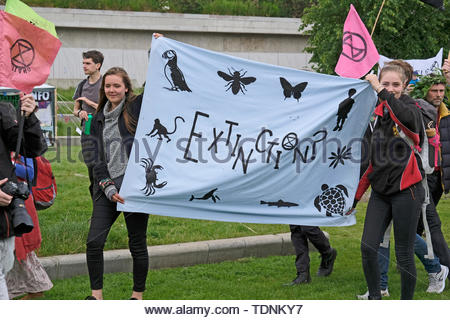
(236, 80)
(289, 90)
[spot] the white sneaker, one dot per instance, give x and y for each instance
(437, 280)
(365, 296)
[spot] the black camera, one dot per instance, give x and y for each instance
(22, 222)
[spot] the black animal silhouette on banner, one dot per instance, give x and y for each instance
(206, 196)
(173, 73)
(343, 110)
(280, 203)
(289, 90)
(160, 130)
(151, 177)
(236, 80)
(331, 199)
(339, 156)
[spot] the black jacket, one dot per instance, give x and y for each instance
(393, 166)
(95, 140)
(33, 145)
(444, 131)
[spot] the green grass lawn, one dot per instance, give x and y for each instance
(64, 229)
(249, 279)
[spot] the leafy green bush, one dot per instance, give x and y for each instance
(405, 30)
(268, 8)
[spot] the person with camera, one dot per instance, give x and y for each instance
(28, 277)
(14, 220)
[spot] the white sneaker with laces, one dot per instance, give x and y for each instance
(365, 296)
(437, 280)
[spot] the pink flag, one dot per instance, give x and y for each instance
(26, 53)
(359, 53)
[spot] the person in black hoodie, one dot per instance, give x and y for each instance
(436, 268)
(395, 173)
(32, 146)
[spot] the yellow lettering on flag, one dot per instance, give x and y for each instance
(21, 10)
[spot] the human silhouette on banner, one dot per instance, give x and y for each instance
(344, 109)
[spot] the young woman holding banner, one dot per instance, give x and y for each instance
(112, 134)
(395, 173)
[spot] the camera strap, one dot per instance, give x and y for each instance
(19, 136)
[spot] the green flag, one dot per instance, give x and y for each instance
(21, 10)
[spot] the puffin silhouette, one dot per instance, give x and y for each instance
(173, 73)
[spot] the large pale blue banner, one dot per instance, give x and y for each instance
(223, 138)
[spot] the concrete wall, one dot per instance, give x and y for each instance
(125, 37)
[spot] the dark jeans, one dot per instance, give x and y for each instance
(404, 209)
(91, 180)
(440, 246)
(299, 238)
(103, 216)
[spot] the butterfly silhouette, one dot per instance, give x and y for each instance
(289, 90)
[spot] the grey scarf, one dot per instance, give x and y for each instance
(116, 156)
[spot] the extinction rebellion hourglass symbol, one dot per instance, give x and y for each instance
(22, 56)
(354, 46)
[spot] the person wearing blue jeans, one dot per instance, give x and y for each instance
(384, 254)
(437, 273)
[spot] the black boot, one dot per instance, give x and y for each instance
(301, 278)
(327, 263)
(374, 297)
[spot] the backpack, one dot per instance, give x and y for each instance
(421, 152)
(44, 185)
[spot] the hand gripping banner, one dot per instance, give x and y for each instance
(228, 139)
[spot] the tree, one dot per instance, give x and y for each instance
(293, 8)
(406, 29)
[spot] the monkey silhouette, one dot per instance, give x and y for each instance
(173, 73)
(343, 110)
(160, 130)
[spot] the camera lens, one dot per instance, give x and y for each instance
(22, 221)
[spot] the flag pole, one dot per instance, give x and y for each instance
(376, 20)
(448, 58)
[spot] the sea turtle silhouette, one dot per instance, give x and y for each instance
(332, 199)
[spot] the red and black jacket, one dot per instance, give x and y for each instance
(392, 165)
